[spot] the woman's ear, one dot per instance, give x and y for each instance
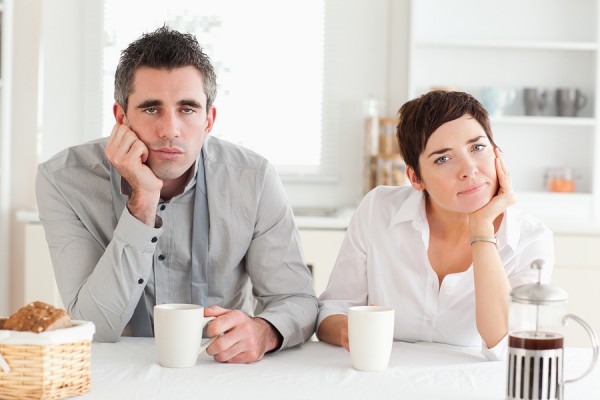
(412, 177)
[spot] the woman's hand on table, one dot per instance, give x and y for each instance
(334, 330)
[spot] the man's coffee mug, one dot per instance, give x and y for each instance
(178, 334)
(370, 335)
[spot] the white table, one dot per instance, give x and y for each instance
(129, 370)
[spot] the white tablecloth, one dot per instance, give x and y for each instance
(129, 370)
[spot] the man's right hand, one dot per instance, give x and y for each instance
(128, 154)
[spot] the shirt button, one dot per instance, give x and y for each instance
(154, 239)
(140, 281)
(161, 257)
(162, 207)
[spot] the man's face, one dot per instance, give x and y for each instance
(167, 111)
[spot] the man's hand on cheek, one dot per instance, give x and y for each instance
(128, 154)
(243, 340)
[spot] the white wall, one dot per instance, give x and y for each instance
(24, 125)
(72, 69)
(365, 52)
(5, 158)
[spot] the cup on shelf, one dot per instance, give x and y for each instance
(569, 101)
(535, 100)
(561, 179)
(495, 99)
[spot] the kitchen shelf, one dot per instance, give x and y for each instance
(512, 45)
(531, 120)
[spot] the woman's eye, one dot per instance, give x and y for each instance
(479, 147)
(442, 160)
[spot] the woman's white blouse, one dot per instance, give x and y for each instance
(383, 261)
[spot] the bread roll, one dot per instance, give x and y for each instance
(37, 317)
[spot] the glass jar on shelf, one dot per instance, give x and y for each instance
(388, 144)
(390, 171)
(560, 180)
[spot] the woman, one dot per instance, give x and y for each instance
(445, 252)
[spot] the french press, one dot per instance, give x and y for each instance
(537, 318)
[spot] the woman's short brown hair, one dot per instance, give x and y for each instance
(420, 117)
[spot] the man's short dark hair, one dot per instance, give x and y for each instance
(420, 117)
(164, 48)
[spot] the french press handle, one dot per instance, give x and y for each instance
(594, 339)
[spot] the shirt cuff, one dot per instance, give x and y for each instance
(135, 233)
(498, 352)
(328, 308)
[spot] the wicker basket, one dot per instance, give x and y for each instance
(46, 371)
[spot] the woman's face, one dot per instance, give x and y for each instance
(457, 167)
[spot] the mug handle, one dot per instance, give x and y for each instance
(212, 339)
(581, 100)
(208, 343)
(543, 97)
(594, 339)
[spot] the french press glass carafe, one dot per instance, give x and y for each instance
(537, 318)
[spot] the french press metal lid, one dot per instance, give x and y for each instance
(539, 293)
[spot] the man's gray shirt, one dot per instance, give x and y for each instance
(104, 258)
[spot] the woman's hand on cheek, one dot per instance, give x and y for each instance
(503, 198)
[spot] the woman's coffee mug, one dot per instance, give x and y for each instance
(178, 334)
(370, 335)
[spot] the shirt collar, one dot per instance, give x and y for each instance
(413, 210)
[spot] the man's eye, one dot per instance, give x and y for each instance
(188, 110)
(442, 160)
(151, 110)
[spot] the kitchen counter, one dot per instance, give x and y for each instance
(339, 220)
(560, 226)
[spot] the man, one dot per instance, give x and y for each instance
(162, 213)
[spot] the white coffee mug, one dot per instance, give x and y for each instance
(178, 334)
(370, 335)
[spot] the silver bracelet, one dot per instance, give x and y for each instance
(484, 239)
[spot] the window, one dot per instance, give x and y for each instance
(268, 55)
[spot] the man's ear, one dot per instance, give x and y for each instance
(412, 177)
(119, 113)
(211, 115)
